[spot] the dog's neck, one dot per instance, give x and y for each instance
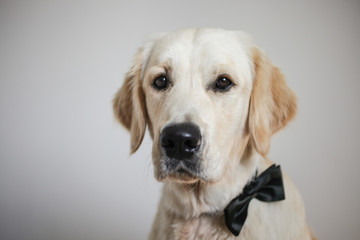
(193, 200)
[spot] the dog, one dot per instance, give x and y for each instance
(211, 101)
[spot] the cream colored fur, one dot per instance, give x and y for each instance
(236, 127)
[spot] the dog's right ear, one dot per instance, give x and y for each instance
(129, 102)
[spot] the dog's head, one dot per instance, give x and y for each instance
(206, 95)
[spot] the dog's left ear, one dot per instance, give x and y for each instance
(129, 103)
(272, 102)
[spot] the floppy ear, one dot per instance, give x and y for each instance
(272, 102)
(129, 103)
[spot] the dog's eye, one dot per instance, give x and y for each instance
(160, 82)
(223, 83)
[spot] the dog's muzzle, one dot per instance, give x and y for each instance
(180, 144)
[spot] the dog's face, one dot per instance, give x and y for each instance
(197, 89)
(205, 95)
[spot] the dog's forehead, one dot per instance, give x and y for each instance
(211, 45)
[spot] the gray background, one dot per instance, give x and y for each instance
(65, 172)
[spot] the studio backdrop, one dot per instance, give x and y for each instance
(65, 169)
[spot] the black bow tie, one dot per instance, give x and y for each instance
(267, 187)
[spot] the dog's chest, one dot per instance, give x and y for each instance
(203, 227)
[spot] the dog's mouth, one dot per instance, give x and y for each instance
(183, 175)
(180, 171)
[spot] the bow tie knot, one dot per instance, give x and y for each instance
(268, 187)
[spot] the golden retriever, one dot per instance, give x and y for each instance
(211, 101)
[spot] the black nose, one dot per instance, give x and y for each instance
(181, 141)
